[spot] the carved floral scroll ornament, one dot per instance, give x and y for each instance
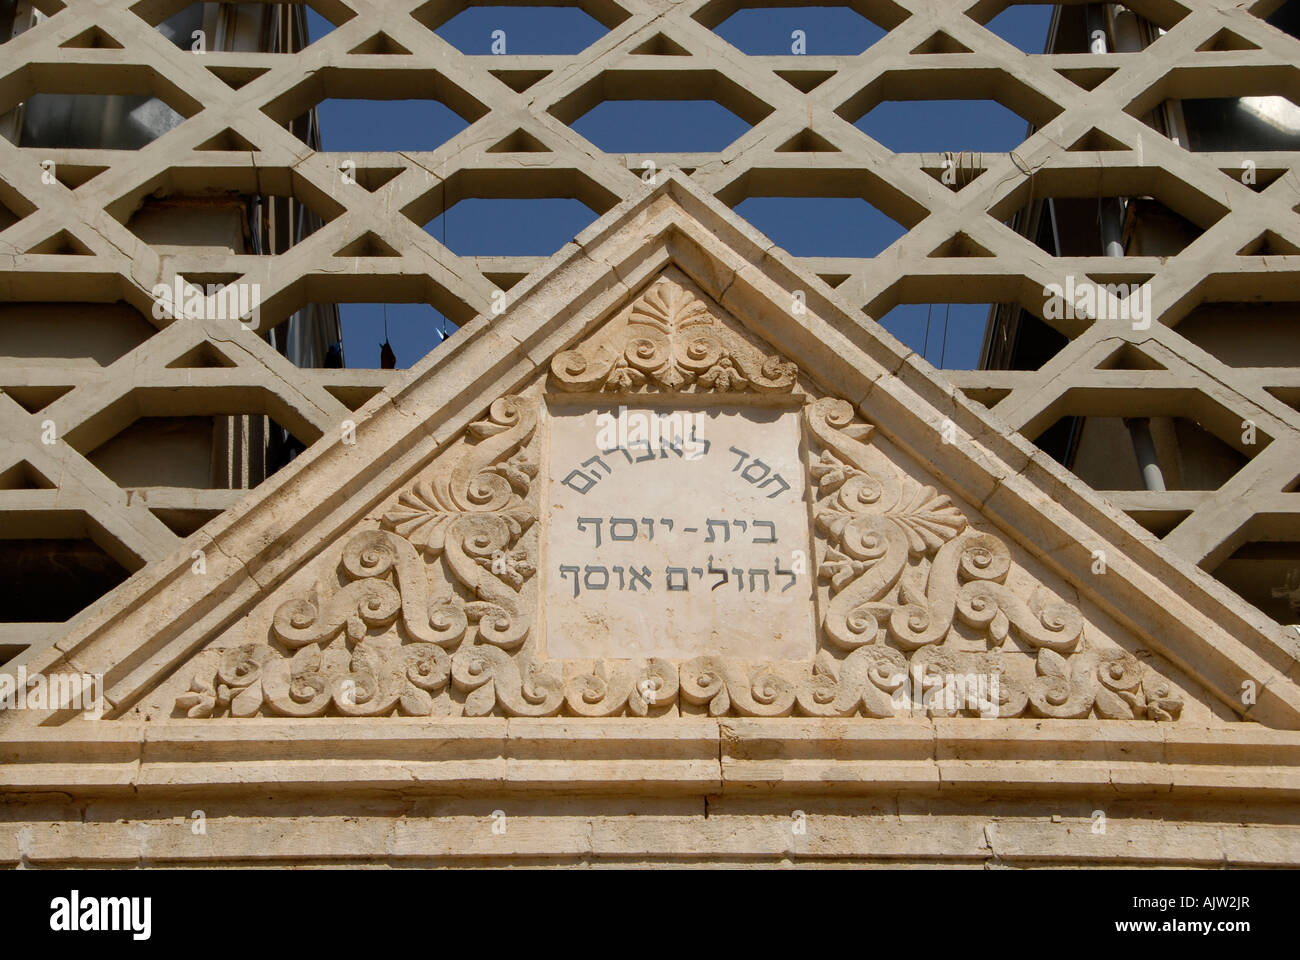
(910, 585)
(468, 523)
(671, 341)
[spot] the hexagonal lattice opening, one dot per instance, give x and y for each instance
(412, 330)
(190, 416)
(57, 562)
(955, 335)
(943, 86)
(847, 212)
(231, 222)
(693, 110)
(77, 121)
(197, 452)
(521, 30)
(1207, 107)
(360, 129)
(509, 226)
(1026, 25)
(130, 107)
(1161, 213)
(360, 126)
(493, 212)
(91, 334)
(1245, 334)
(14, 23)
(948, 335)
(319, 297)
(1262, 565)
(1245, 123)
(822, 226)
(1198, 445)
(230, 26)
(660, 126)
(938, 126)
(814, 30)
(1023, 25)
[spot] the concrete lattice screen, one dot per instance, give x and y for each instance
(69, 239)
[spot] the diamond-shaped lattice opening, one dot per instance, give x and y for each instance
(518, 30)
(90, 334)
(433, 107)
(649, 111)
(938, 126)
(826, 30)
(500, 213)
(948, 124)
(1245, 334)
(57, 562)
(1197, 444)
(1263, 566)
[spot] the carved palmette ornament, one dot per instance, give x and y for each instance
(671, 341)
(435, 611)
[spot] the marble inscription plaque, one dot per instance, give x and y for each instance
(676, 533)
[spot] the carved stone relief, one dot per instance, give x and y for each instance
(916, 612)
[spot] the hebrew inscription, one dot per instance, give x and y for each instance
(676, 533)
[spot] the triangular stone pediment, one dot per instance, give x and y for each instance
(672, 518)
(675, 479)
